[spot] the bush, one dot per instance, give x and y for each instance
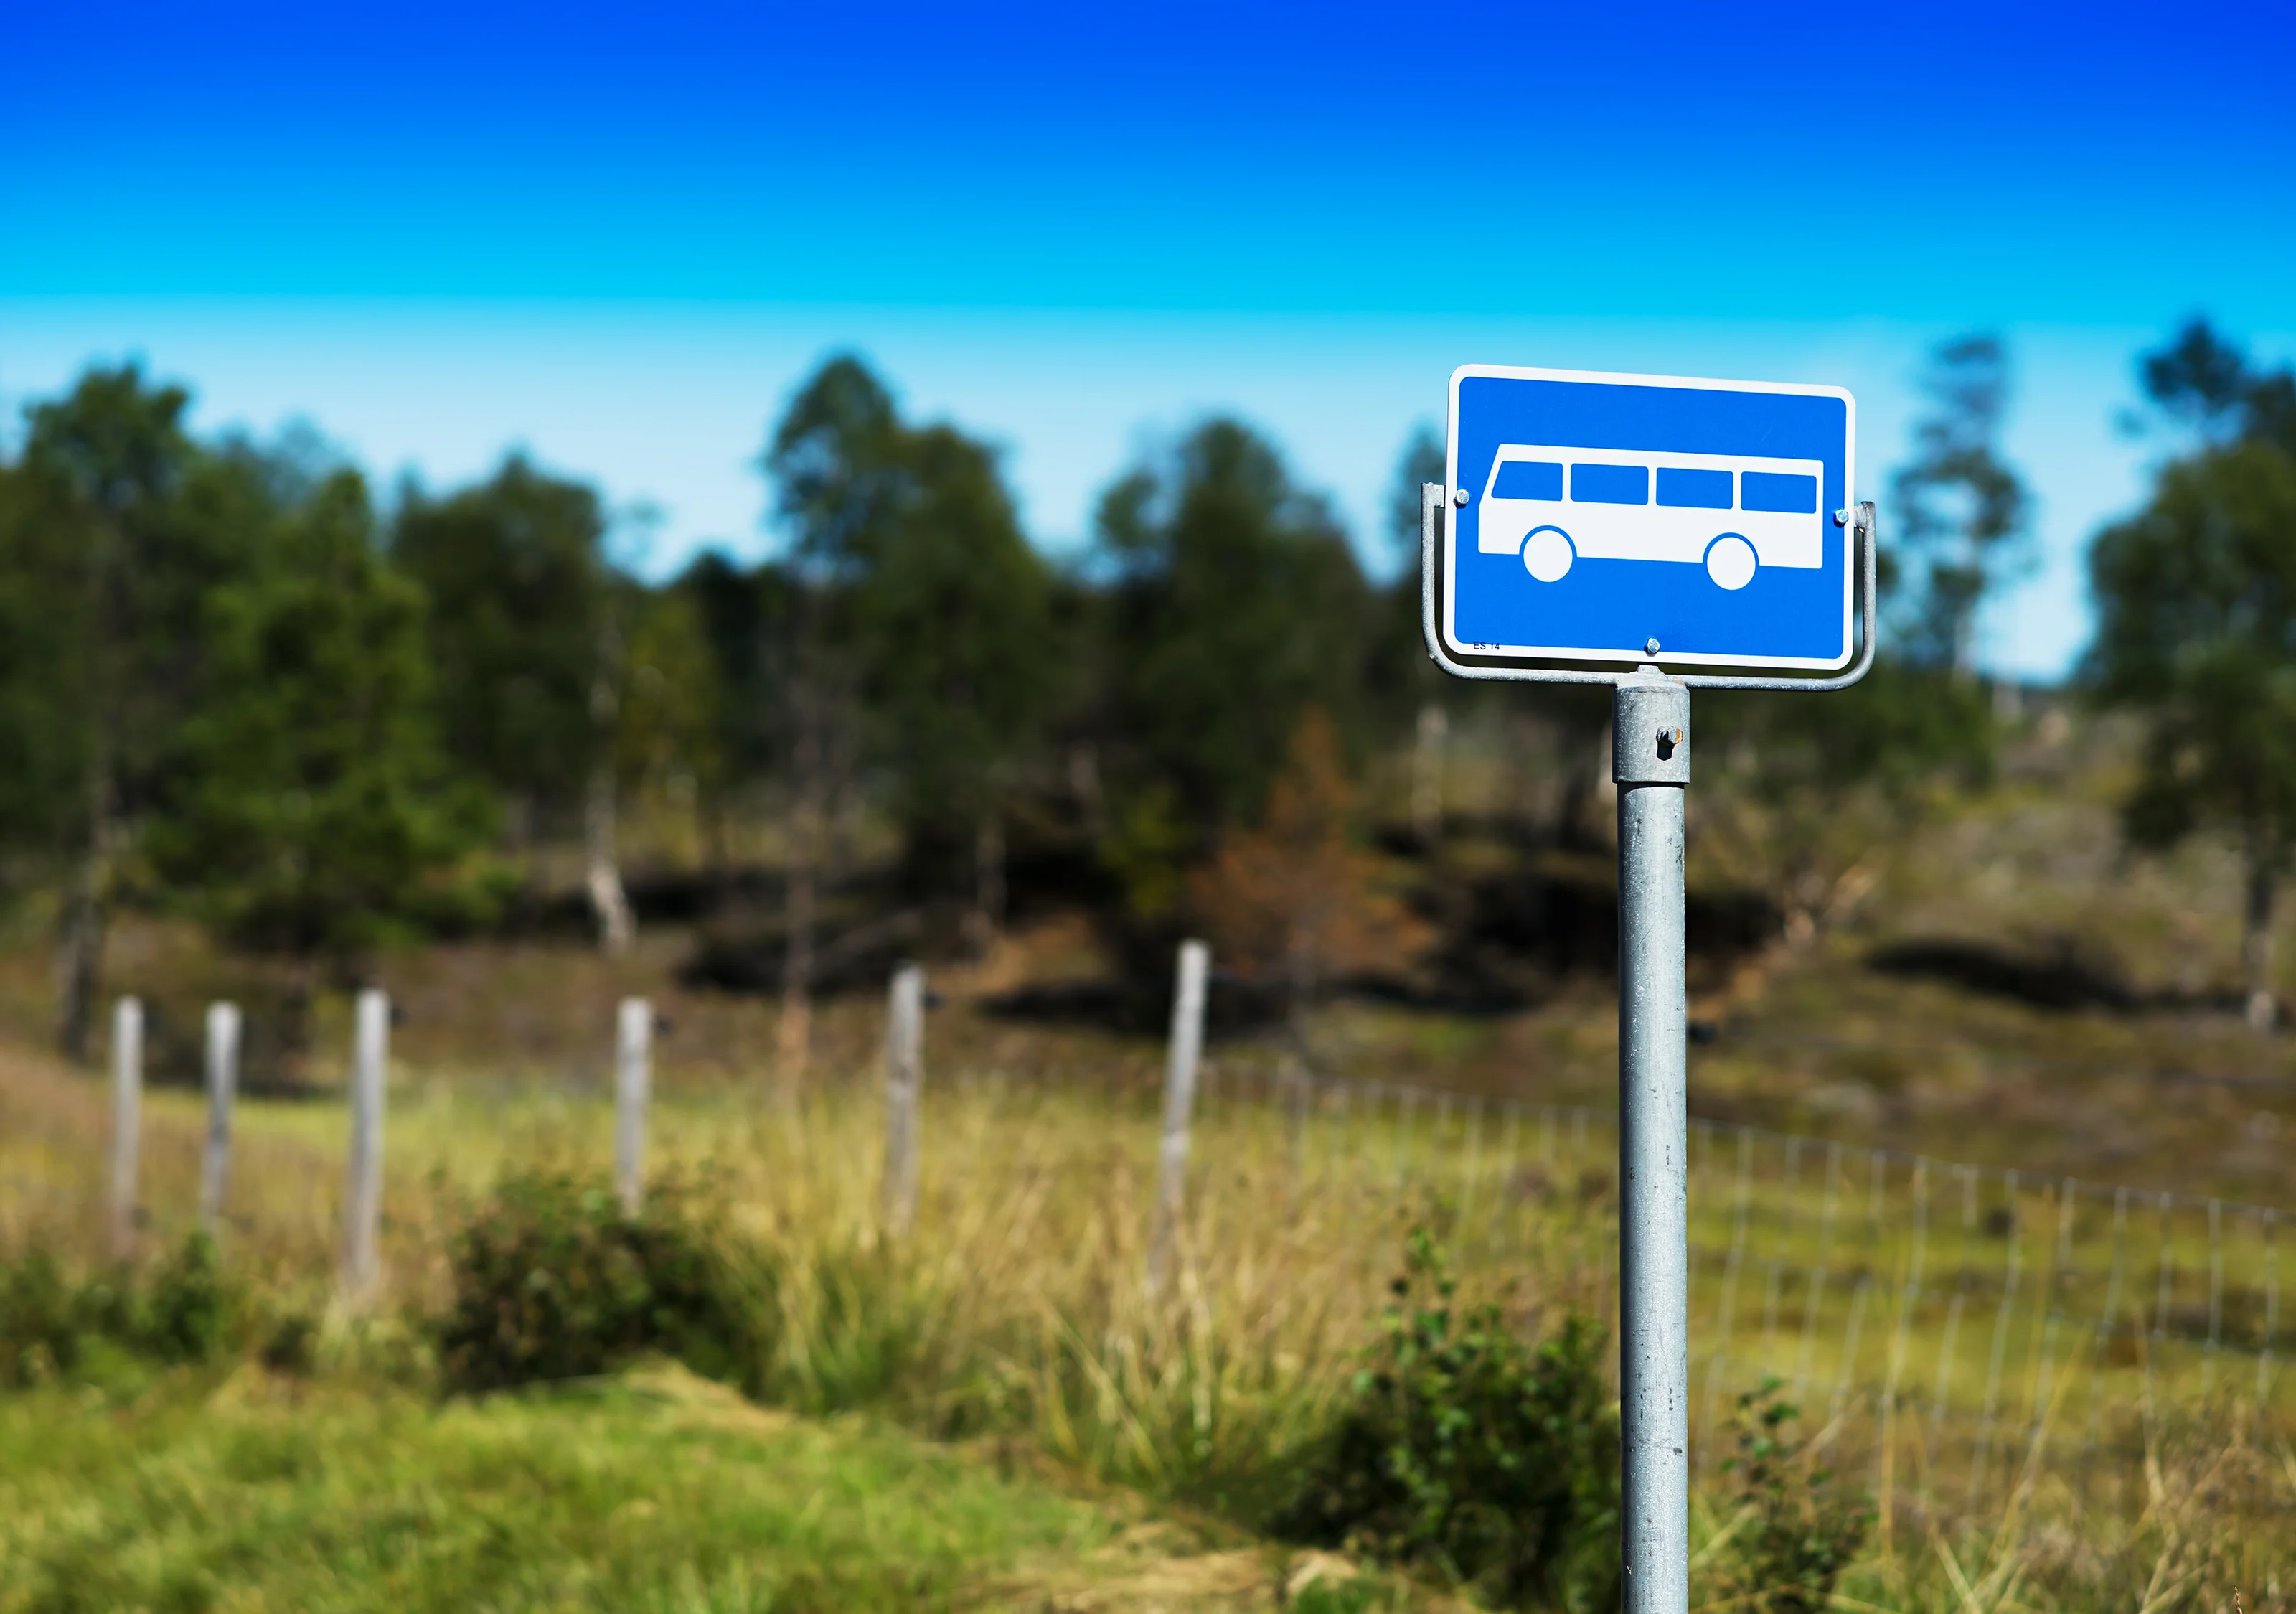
(552, 1280)
(40, 1321)
(1798, 1533)
(180, 1312)
(1466, 1449)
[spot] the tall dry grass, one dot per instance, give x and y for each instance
(2033, 1442)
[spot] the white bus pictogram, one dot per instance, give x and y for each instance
(1731, 512)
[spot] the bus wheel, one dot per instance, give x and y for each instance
(1730, 560)
(1548, 554)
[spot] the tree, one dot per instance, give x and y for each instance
(1422, 461)
(1816, 784)
(522, 631)
(1235, 604)
(937, 608)
(835, 464)
(2203, 381)
(668, 739)
(948, 611)
(2196, 628)
(123, 526)
(1813, 783)
(1961, 510)
(744, 618)
(601, 868)
(1403, 678)
(1293, 898)
(44, 702)
(316, 816)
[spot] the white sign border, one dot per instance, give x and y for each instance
(1612, 378)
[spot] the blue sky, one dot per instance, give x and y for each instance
(620, 237)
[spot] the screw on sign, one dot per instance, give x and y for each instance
(1586, 520)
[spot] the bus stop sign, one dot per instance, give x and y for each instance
(1607, 518)
(1646, 519)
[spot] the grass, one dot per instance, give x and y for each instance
(653, 1491)
(1016, 1316)
(2057, 1398)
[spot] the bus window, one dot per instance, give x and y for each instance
(1528, 478)
(1776, 491)
(1609, 484)
(1693, 489)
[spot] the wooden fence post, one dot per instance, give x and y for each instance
(223, 1090)
(363, 1193)
(905, 1075)
(1181, 1059)
(633, 1085)
(126, 1120)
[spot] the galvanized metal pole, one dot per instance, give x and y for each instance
(223, 1090)
(1194, 968)
(1650, 760)
(633, 1085)
(127, 1121)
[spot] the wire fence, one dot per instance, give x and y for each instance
(1934, 1316)
(1945, 1324)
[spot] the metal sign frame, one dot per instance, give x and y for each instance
(1650, 761)
(1665, 436)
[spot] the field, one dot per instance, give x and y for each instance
(2013, 1252)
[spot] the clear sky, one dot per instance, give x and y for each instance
(621, 237)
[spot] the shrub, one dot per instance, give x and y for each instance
(183, 1313)
(39, 1320)
(179, 1312)
(1798, 1533)
(1469, 1450)
(552, 1280)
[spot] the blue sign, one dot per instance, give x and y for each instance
(1592, 514)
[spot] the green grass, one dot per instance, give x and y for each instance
(656, 1491)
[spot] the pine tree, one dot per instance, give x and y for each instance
(318, 817)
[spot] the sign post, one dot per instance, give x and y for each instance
(1650, 760)
(1635, 520)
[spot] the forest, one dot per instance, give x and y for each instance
(239, 683)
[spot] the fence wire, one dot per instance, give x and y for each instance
(1986, 1315)
(1949, 1322)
